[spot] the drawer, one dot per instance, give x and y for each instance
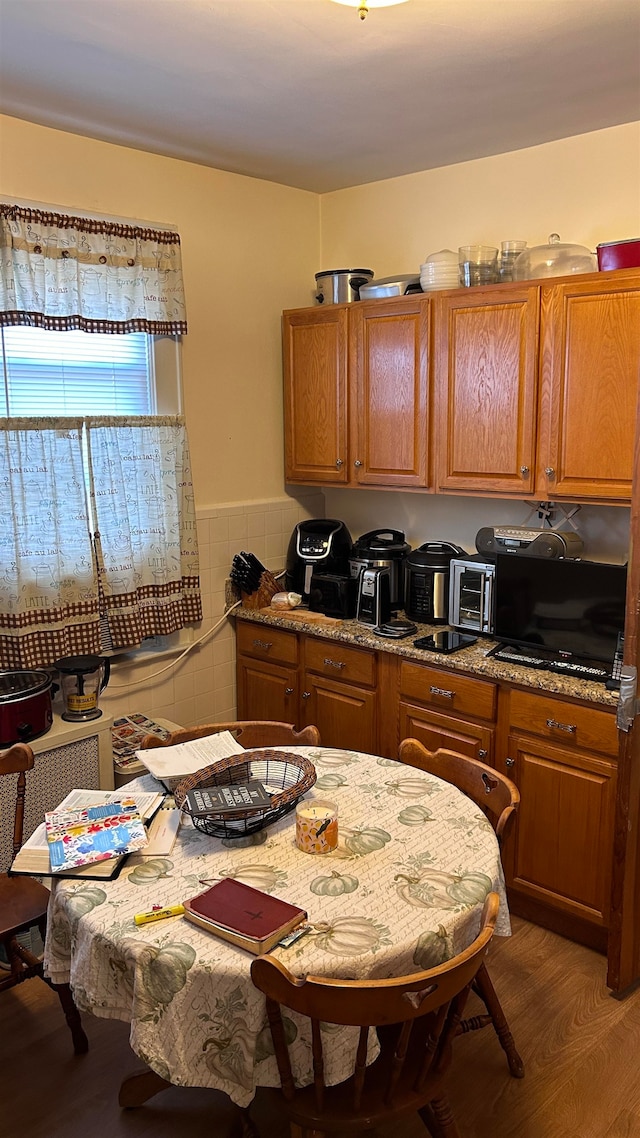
(266, 643)
(570, 724)
(340, 662)
(448, 691)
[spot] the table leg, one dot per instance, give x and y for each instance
(140, 1086)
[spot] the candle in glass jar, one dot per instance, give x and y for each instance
(317, 826)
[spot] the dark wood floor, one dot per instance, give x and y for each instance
(581, 1049)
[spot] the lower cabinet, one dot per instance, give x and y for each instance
(447, 709)
(561, 754)
(559, 854)
(267, 673)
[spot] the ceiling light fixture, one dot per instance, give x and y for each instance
(363, 6)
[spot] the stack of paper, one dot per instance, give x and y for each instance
(171, 764)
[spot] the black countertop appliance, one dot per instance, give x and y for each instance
(427, 581)
(382, 549)
(317, 545)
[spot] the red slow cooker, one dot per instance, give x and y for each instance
(25, 706)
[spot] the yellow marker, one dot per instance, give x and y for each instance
(158, 913)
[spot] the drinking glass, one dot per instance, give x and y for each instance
(478, 265)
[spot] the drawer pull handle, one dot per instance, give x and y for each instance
(442, 691)
(266, 644)
(509, 762)
(334, 663)
(288, 691)
(570, 727)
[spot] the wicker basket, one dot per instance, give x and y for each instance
(285, 776)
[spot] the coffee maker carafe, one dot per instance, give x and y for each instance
(82, 679)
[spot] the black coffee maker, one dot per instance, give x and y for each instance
(318, 545)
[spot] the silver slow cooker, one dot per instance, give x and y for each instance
(341, 286)
(382, 549)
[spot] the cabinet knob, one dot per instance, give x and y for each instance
(524, 470)
(306, 695)
(288, 691)
(357, 462)
(339, 462)
(509, 762)
(550, 472)
(482, 754)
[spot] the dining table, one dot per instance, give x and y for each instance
(402, 891)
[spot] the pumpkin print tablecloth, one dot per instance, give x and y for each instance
(403, 891)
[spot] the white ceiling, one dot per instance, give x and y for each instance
(304, 93)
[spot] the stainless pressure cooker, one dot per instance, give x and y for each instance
(427, 584)
(341, 286)
(382, 549)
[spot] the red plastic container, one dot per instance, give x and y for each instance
(619, 254)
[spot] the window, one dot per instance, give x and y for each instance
(80, 373)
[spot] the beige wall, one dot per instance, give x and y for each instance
(586, 188)
(249, 249)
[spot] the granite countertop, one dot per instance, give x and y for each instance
(473, 660)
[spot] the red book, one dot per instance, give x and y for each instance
(244, 916)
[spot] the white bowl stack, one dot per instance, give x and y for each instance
(440, 270)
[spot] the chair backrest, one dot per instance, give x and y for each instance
(435, 997)
(496, 795)
(249, 733)
(17, 760)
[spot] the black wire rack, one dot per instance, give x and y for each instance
(285, 776)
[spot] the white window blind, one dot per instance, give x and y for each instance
(76, 373)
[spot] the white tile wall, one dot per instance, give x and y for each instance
(201, 687)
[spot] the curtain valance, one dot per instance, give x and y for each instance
(61, 273)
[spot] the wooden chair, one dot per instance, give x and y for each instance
(418, 1016)
(23, 903)
(498, 797)
(249, 733)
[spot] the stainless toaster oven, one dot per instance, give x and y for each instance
(471, 593)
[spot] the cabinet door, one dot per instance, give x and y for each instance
(435, 731)
(486, 348)
(267, 691)
(388, 376)
(589, 392)
(315, 394)
(561, 850)
(344, 714)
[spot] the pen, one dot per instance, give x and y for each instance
(158, 913)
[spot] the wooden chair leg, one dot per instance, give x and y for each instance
(244, 1127)
(438, 1118)
(72, 1016)
(487, 993)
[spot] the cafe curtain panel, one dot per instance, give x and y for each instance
(61, 272)
(83, 572)
(49, 604)
(146, 542)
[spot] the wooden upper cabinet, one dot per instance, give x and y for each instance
(590, 357)
(315, 360)
(388, 375)
(486, 360)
